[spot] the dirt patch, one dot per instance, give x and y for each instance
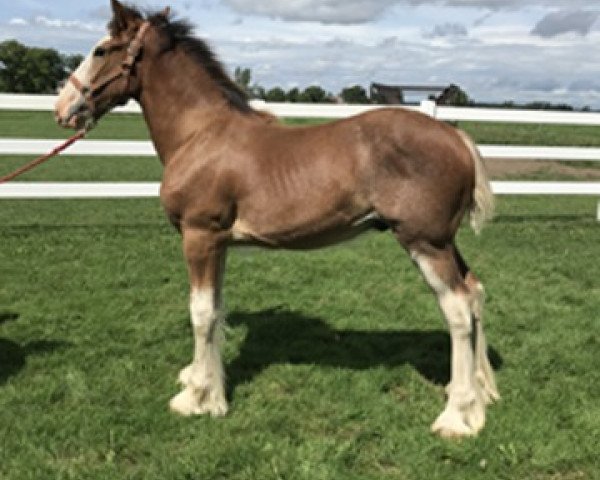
(501, 168)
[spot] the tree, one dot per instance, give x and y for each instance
(455, 96)
(293, 95)
(12, 54)
(256, 91)
(355, 94)
(242, 77)
(29, 70)
(275, 95)
(314, 94)
(71, 62)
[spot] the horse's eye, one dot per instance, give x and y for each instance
(99, 52)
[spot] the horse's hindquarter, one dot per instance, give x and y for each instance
(423, 174)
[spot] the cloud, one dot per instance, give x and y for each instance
(499, 4)
(488, 71)
(102, 12)
(565, 21)
(67, 36)
(348, 12)
(42, 21)
(542, 85)
(18, 22)
(323, 11)
(481, 20)
(448, 29)
(584, 86)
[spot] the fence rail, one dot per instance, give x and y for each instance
(301, 110)
(22, 146)
(48, 190)
(13, 102)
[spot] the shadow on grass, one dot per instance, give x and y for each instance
(280, 336)
(14, 356)
(8, 317)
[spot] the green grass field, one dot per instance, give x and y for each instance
(131, 126)
(336, 359)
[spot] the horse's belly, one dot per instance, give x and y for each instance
(306, 236)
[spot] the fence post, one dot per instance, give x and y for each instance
(429, 107)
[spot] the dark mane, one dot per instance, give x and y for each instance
(180, 33)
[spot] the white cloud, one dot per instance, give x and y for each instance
(362, 11)
(565, 21)
(485, 46)
(448, 29)
(490, 70)
(504, 4)
(19, 22)
(325, 11)
(67, 36)
(68, 24)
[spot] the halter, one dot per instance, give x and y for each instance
(88, 92)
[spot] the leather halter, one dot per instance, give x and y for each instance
(134, 48)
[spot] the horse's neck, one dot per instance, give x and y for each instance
(178, 100)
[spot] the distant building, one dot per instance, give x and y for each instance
(396, 94)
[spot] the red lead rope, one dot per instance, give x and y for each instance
(25, 168)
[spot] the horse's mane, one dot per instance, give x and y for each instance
(179, 33)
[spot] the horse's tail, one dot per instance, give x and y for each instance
(482, 205)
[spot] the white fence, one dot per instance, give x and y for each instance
(289, 110)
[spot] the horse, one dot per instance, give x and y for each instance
(235, 176)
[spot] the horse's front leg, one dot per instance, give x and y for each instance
(203, 380)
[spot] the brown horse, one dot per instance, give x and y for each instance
(233, 176)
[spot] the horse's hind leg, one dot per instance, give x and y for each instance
(483, 370)
(465, 409)
(203, 379)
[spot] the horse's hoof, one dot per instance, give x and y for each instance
(455, 424)
(186, 403)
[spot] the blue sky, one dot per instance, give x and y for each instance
(495, 49)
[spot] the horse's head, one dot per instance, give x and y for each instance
(109, 75)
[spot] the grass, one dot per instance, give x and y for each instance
(532, 134)
(131, 126)
(336, 359)
(17, 124)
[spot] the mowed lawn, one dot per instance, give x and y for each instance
(336, 359)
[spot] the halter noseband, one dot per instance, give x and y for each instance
(133, 51)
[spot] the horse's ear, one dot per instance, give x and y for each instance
(121, 16)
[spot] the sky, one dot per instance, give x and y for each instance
(496, 50)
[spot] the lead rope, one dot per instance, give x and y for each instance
(38, 161)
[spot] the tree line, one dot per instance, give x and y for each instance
(35, 70)
(311, 94)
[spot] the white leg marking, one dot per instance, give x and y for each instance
(203, 379)
(465, 410)
(483, 369)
